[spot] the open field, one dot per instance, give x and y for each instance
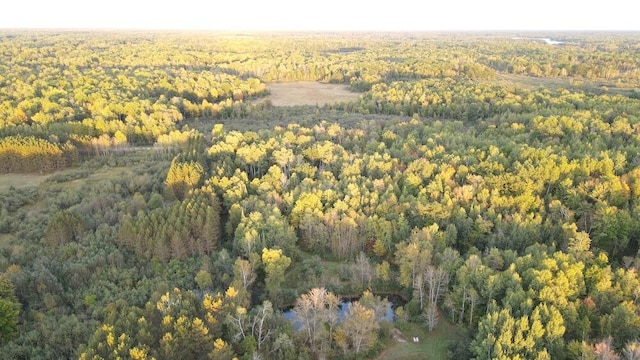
(74, 181)
(432, 345)
(308, 93)
(20, 180)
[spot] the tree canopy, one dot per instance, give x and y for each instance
(483, 182)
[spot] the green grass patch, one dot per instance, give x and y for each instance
(111, 173)
(20, 180)
(74, 180)
(432, 344)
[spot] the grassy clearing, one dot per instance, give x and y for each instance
(100, 175)
(308, 93)
(20, 180)
(432, 345)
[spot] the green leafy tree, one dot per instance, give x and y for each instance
(9, 309)
(275, 264)
(182, 177)
(500, 336)
(65, 226)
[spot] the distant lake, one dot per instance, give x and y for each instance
(547, 41)
(552, 42)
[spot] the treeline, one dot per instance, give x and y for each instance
(101, 87)
(599, 57)
(469, 101)
(32, 155)
(144, 85)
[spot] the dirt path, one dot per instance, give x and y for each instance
(397, 335)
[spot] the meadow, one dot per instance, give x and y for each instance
(308, 93)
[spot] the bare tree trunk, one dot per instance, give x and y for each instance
(431, 315)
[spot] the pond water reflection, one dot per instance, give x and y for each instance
(387, 313)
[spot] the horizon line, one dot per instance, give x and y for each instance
(390, 31)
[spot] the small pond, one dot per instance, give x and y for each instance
(343, 310)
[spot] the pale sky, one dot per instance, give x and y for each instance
(330, 15)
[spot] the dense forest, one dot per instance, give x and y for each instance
(482, 191)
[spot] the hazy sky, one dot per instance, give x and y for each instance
(322, 14)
